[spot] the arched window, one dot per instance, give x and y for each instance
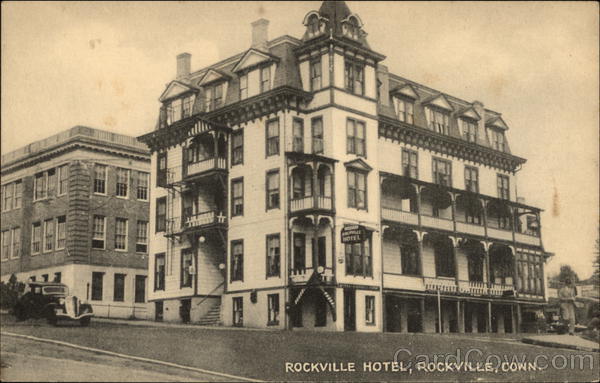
(313, 25)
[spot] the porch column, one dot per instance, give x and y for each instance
(489, 317)
(486, 255)
(518, 322)
(422, 303)
(460, 316)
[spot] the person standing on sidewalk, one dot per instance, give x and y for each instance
(567, 295)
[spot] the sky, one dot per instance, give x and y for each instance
(104, 65)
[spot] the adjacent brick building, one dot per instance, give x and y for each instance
(75, 209)
(301, 184)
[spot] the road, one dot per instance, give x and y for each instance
(266, 354)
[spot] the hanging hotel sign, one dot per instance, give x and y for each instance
(353, 234)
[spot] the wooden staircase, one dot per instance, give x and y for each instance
(212, 317)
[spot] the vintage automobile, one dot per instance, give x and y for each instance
(51, 300)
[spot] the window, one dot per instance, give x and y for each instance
(410, 164)
(121, 234)
(469, 130)
(61, 233)
(187, 106)
(237, 197)
(6, 244)
(497, 139)
(122, 182)
(503, 187)
(140, 289)
(298, 135)
(48, 235)
(119, 288)
(45, 277)
(18, 192)
(272, 137)
(273, 309)
(186, 266)
(238, 311)
(369, 309)
(237, 147)
(40, 186)
(159, 272)
(100, 179)
(351, 28)
(243, 86)
(141, 243)
(354, 77)
(357, 189)
(358, 259)
(299, 251)
(273, 255)
(265, 79)
(98, 232)
(63, 179)
(443, 253)
(7, 196)
(409, 258)
(161, 169)
(213, 97)
(442, 172)
(313, 25)
(161, 214)
(57, 277)
(97, 281)
(438, 120)
(16, 243)
(404, 110)
(36, 238)
(51, 183)
(317, 135)
(142, 186)
(273, 189)
(237, 260)
(355, 137)
(179, 108)
(315, 74)
(471, 179)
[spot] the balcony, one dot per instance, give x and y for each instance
(475, 288)
(301, 276)
(469, 228)
(528, 239)
(443, 285)
(200, 167)
(310, 203)
(498, 290)
(502, 234)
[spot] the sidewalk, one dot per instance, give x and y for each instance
(573, 342)
(150, 323)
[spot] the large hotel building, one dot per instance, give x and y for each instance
(75, 210)
(301, 184)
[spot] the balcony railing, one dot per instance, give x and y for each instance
(497, 289)
(528, 239)
(473, 287)
(204, 219)
(505, 234)
(299, 276)
(470, 228)
(437, 223)
(399, 215)
(193, 168)
(173, 226)
(441, 284)
(306, 203)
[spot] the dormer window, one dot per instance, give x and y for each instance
(469, 129)
(497, 139)
(351, 27)
(213, 97)
(314, 24)
(438, 120)
(265, 79)
(243, 86)
(404, 109)
(179, 108)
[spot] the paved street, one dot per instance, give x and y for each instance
(264, 354)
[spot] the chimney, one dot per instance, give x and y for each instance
(184, 61)
(260, 34)
(384, 89)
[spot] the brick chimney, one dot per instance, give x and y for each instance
(184, 63)
(260, 34)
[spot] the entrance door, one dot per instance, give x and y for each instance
(184, 310)
(393, 311)
(349, 310)
(158, 311)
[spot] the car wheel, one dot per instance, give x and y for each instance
(85, 321)
(51, 316)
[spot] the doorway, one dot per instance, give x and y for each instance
(349, 310)
(158, 311)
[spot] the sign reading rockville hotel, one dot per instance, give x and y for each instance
(353, 234)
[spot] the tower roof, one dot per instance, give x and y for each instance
(335, 12)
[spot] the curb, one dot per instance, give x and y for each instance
(559, 345)
(180, 325)
(125, 356)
